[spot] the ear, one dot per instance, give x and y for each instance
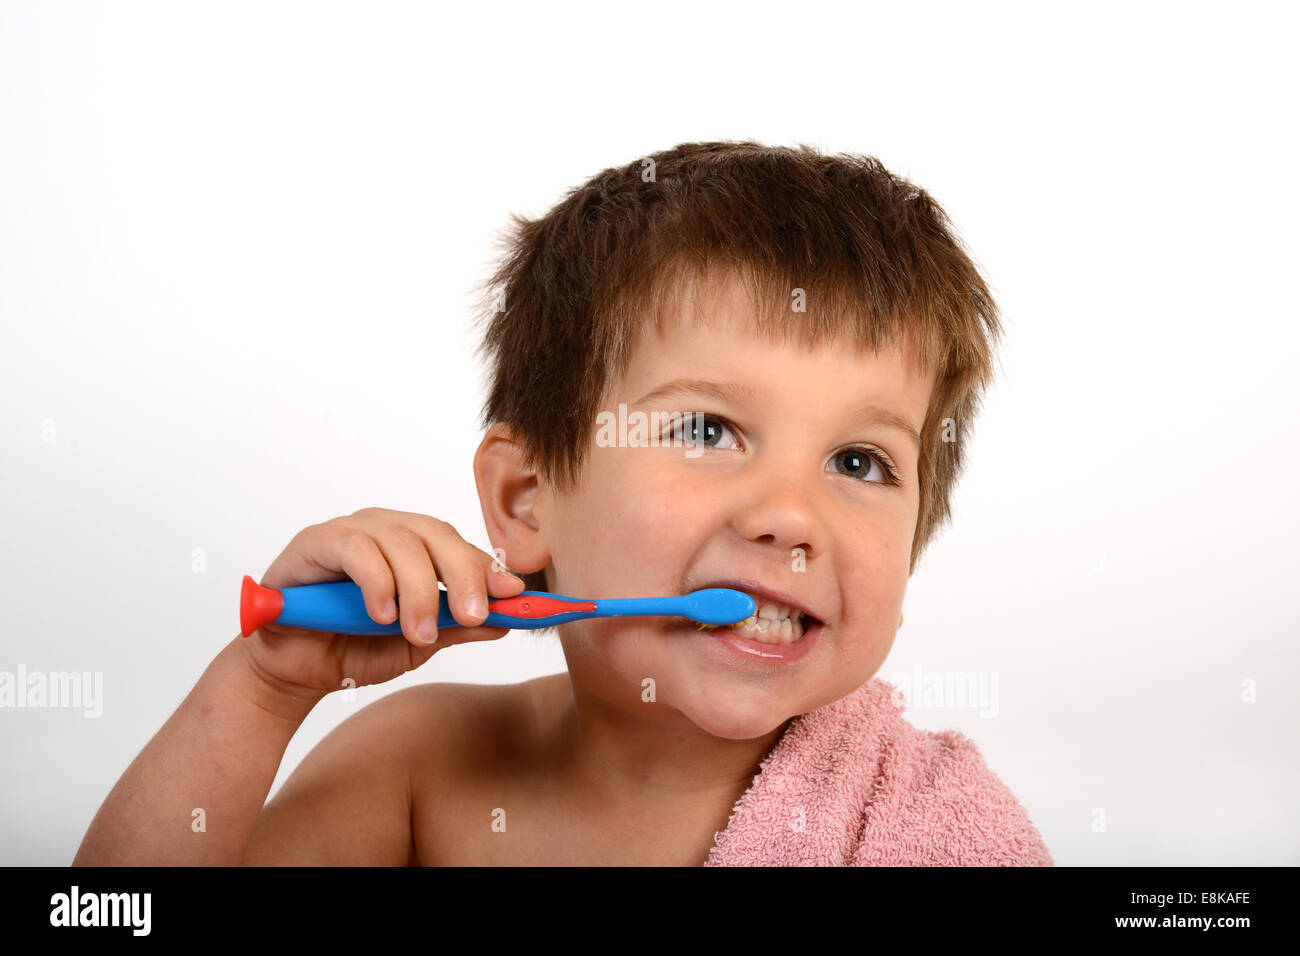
(900, 620)
(507, 493)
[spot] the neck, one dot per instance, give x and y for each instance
(625, 759)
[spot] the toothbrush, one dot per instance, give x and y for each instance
(340, 608)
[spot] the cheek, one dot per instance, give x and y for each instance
(873, 594)
(630, 529)
(874, 580)
(663, 512)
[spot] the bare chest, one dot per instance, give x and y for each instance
(490, 800)
(505, 825)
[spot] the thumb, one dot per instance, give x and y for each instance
(451, 636)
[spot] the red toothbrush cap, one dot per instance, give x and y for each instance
(257, 606)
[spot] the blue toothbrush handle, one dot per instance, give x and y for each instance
(339, 607)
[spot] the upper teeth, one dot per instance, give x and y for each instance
(772, 611)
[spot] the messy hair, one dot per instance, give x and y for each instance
(877, 258)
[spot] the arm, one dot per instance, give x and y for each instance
(218, 752)
(349, 802)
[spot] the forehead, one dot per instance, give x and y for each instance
(710, 330)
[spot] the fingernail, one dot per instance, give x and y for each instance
(476, 606)
(390, 608)
(427, 630)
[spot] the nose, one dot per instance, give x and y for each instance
(779, 512)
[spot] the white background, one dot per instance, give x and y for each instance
(237, 243)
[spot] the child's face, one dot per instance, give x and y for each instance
(772, 498)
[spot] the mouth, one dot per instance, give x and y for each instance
(779, 619)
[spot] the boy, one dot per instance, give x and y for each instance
(815, 338)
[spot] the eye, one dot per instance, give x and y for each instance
(859, 460)
(691, 423)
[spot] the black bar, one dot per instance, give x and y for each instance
(622, 906)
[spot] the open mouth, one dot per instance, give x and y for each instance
(775, 624)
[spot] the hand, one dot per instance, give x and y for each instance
(393, 556)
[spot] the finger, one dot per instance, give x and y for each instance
(418, 594)
(324, 552)
(502, 582)
(439, 535)
(464, 569)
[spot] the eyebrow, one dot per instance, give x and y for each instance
(736, 393)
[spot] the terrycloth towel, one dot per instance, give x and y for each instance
(854, 784)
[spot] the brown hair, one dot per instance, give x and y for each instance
(877, 257)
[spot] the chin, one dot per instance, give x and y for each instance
(737, 723)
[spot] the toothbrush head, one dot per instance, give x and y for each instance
(716, 607)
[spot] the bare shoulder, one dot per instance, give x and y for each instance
(350, 800)
(489, 736)
(468, 725)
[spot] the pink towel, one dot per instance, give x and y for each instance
(854, 784)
